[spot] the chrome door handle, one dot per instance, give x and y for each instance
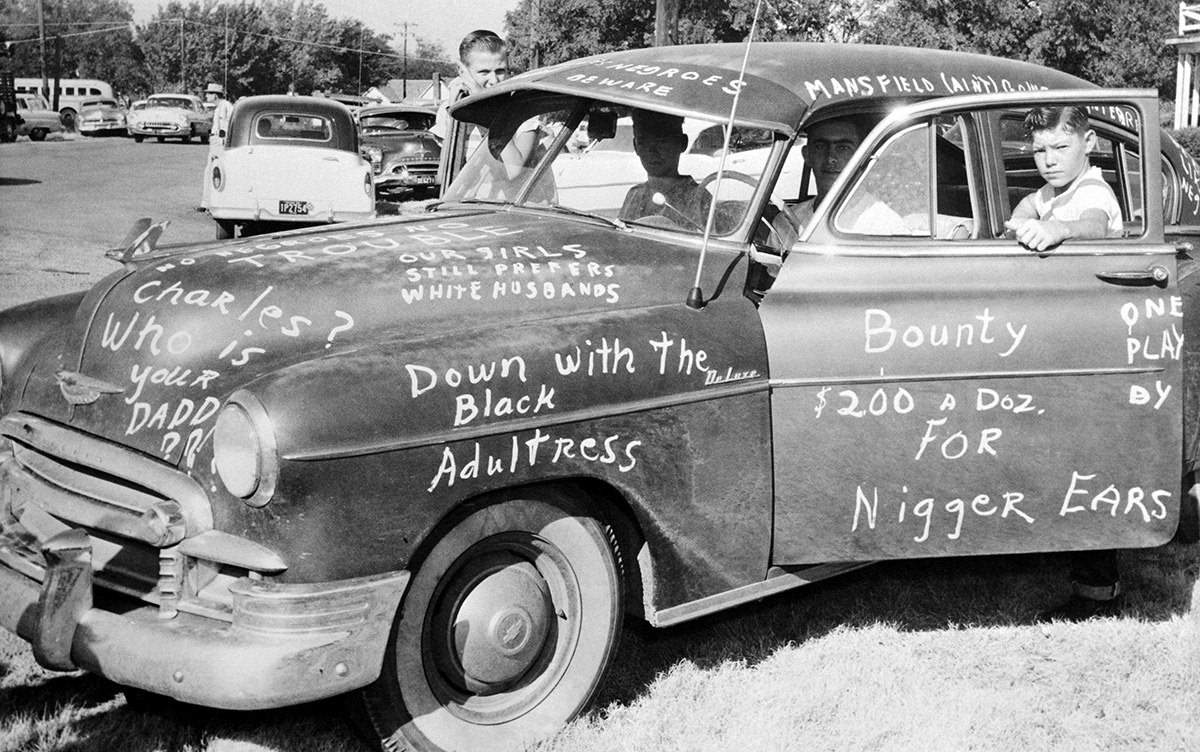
(1155, 275)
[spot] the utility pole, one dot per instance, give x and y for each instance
(182, 71)
(666, 23)
(42, 49)
(404, 86)
(535, 17)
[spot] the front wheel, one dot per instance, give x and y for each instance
(225, 229)
(138, 139)
(506, 630)
(38, 134)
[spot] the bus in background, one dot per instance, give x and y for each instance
(71, 93)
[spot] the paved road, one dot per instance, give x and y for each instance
(64, 202)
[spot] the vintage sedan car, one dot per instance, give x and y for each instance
(288, 162)
(101, 116)
(37, 119)
(440, 459)
(166, 116)
(404, 155)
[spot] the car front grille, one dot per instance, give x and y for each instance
(135, 509)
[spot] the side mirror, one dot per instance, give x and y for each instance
(602, 125)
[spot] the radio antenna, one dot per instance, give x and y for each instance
(695, 298)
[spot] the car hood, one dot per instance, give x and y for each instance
(162, 112)
(153, 358)
(414, 141)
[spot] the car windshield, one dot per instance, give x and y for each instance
(179, 102)
(580, 156)
(385, 122)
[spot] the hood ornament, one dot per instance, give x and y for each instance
(142, 240)
(83, 390)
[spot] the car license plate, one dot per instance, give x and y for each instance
(422, 179)
(294, 207)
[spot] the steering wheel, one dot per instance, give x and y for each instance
(741, 177)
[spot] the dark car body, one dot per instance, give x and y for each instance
(404, 153)
(101, 116)
(440, 458)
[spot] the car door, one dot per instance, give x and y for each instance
(939, 389)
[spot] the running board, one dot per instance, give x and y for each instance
(778, 580)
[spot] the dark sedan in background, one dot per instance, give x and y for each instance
(404, 155)
(103, 116)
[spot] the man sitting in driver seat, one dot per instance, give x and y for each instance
(658, 140)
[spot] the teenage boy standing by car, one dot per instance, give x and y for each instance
(1074, 203)
(482, 63)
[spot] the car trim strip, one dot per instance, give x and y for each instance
(516, 426)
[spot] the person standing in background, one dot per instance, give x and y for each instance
(216, 139)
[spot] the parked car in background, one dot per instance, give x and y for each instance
(404, 155)
(166, 116)
(101, 116)
(38, 120)
(288, 161)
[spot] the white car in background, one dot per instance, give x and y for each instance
(288, 162)
(37, 119)
(166, 116)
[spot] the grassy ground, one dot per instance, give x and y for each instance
(925, 655)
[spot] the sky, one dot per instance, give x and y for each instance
(444, 21)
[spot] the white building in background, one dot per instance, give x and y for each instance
(420, 91)
(1187, 72)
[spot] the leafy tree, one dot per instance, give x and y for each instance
(1108, 42)
(84, 48)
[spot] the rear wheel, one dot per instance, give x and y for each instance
(506, 630)
(138, 139)
(8, 131)
(225, 229)
(159, 139)
(38, 134)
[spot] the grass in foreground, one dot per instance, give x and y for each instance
(924, 655)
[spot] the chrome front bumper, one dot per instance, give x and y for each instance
(287, 644)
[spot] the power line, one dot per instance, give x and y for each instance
(279, 37)
(71, 34)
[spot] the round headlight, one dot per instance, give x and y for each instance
(244, 449)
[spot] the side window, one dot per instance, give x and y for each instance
(1116, 156)
(917, 185)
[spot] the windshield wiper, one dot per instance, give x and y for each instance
(589, 215)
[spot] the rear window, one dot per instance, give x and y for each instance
(280, 126)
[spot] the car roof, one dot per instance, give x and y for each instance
(287, 104)
(786, 83)
(378, 109)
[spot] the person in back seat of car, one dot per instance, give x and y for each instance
(1075, 202)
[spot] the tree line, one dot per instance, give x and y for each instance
(1113, 43)
(263, 46)
(250, 46)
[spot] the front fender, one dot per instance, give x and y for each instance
(21, 328)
